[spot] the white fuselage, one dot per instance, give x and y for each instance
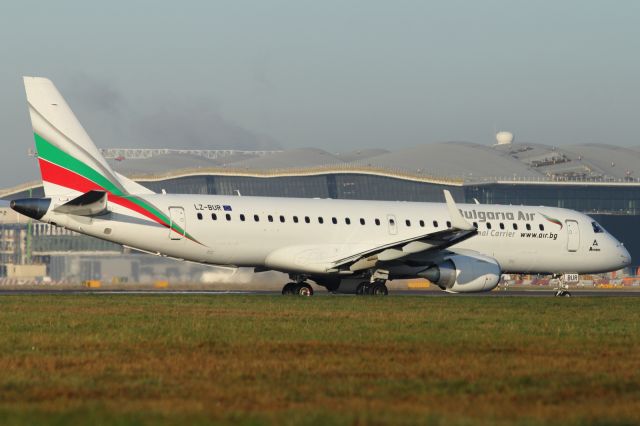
(293, 234)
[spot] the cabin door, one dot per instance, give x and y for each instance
(178, 225)
(393, 224)
(573, 232)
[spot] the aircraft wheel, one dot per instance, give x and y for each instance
(562, 293)
(304, 289)
(288, 289)
(379, 289)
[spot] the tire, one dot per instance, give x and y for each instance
(288, 289)
(379, 289)
(304, 290)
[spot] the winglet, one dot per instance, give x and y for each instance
(457, 221)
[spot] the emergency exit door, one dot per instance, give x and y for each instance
(573, 232)
(178, 225)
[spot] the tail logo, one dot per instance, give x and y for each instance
(552, 220)
(62, 169)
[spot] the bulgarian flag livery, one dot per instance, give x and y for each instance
(70, 163)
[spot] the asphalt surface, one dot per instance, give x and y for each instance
(507, 293)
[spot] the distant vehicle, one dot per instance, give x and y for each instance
(343, 245)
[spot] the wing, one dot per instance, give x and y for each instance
(460, 230)
(398, 250)
(334, 258)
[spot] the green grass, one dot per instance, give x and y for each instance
(153, 359)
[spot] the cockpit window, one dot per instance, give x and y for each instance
(597, 228)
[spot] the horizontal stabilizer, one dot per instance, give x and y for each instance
(92, 203)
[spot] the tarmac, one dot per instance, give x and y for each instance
(396, 293)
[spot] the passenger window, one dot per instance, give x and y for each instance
(307, 220)
(421, 223)
(199, 216)
(541, 226)
(347, 221)
(242, 217)
(214, 216)
(377, 222)
(256, 218)
(320, 220)
(392, 222)
(528, 227)
(407, 222)
(295, 219)
(361, 221)
(515, 226)
(334, 220)
(448, 224)
(228, 216)
(475, 225)
(281, 219)
(488, 225)
(435, 223)
(501, 225)
(270, 218)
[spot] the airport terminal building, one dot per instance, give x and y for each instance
(600, 180)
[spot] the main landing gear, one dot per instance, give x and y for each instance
(376, 288)
(298, 288)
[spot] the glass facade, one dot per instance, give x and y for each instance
(596, 199)
(609, 199)
(340, 185)
(63, 243)
(303, 187)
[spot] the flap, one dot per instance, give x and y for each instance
(400, 249)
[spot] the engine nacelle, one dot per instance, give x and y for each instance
(464, 273)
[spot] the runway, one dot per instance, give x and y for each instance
(396, 293)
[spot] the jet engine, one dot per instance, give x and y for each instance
(464, 273)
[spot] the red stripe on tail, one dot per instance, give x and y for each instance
(64, 177)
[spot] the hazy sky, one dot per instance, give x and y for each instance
(337, 75)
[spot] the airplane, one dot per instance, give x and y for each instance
(347, 246)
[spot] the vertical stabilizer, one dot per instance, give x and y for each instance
(69, 161)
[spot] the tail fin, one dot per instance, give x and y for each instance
(69, 161)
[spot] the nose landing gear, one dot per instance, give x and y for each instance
(562, 289)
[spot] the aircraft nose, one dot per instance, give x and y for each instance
(624, 255)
